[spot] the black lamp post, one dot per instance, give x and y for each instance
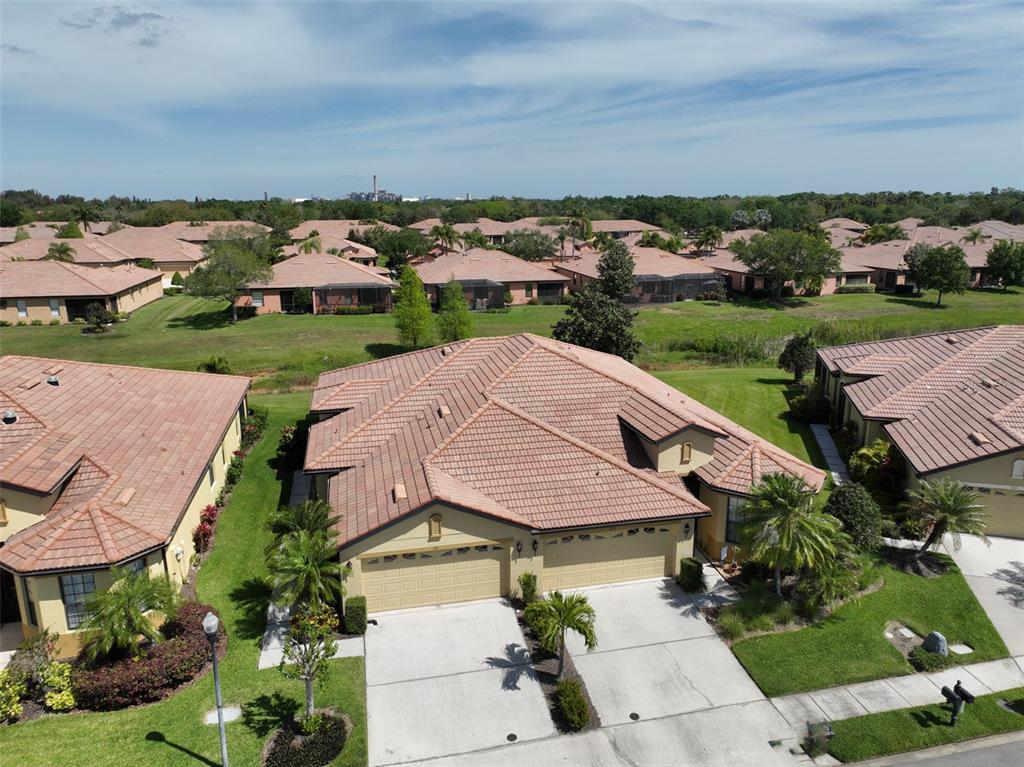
(210, 626)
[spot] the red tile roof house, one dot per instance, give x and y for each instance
(202, 232)
(334, 281)
(339, 228)
(353, 251)
(490, 277)
(660, 276)
(952, 403)
(457, 468)
(103, 465)
(739, 279)
(54, 290)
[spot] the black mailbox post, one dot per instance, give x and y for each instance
(957, 698)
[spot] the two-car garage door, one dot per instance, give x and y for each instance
(460, 574)
(588, 559)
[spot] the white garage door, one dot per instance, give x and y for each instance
(394, 581)
(588, 559)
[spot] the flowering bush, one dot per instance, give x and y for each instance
(12, 689)
(254, 425)
(201, 536)
(209, 514)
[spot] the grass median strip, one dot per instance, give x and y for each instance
(909, 729)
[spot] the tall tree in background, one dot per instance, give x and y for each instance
(86, 215)
(230, 266)
(940, 268)
(616, 269)
(60, 251)
(412, 311)
(529, 245)
(312, 243)
(454, 322)
(973, 237)
(883, 233)
(1006, 263)
(445, 235)
(474, 238)
(597, 321)
(782, 256)
(799, 355)
(708, 239)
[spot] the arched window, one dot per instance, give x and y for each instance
(435, 527)
(1018, 469)
(686, 452)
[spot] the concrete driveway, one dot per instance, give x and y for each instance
(656, 656)
(996, 576)
(447, 680)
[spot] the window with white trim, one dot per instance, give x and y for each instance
(733, 517)
(257, 298)
(74, 590)
(1018, 470)
(55, 307)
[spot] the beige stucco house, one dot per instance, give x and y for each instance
(456, 469)
(103, 465)
(952, 403)
(491, 278)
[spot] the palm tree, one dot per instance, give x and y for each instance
(709, 238)
(781, 528)
(949, 507)
(85, 214)
(313, 516)
(311, 244)
(60, 251)
(444, 234)
(562, 235)
(473, 239)
(557, 614)
(118, 617)
(973, 236)
(305, 569)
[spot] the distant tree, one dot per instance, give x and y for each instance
(616, 269)
(145, 263)
(311, 244)
(601, 241)
(86, 215)
(215, 364)
(762, 218)
(394, 248)
(231, 265)
(114, 226)
(177, 280)
(597, 321)
(454, 322)
(799, 356)
(70, 231)
(445, 235)
(412, 311)
(947, 506)
(782, 255)
(940, 268)
(973, 237)
(11, 214)
(60, 251)
(579, 224)
(1006, 263)
(708, 239)
(474, 238)
(883, 233)
(530, 245)
(562, 235)
(21, 234)
(740, 219)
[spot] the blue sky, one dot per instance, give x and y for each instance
(536, 99)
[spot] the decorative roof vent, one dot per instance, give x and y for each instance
(443, 411)
(988, 383)
(10, 417)
(979, 439)
(53, 381)
(951, 339)
(398, 492)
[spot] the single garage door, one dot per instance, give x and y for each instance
(588, 559)
(1005, 512)
(394, 581)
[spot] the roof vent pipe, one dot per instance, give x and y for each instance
(10, 417)
(53, 381)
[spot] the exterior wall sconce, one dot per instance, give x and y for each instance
(686, 529)
(536, 545)
(179, 553)
(519, 547)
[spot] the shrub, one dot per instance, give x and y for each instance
(255, 423)
(209, 514)
(860, 516)
(162, 668)
(313, 723)
(809, 404)
(926, 660)
(783, 614)
(834, 579)
(78, 321)
(54, 321)
(59, 700)
(36, 323)
(177, 280)
(691, 574)
(201, 537)
(361, 309)
(33, 656)
(572, 704)
(234, 472)
(5, 323)
(56, 676)
(355, 615)
(528, 586)
(855, 289)
(292, 747)
(22, 323)
(731, 624)
(877, 466)
(12, 690)
(763, 622)
(171, 291)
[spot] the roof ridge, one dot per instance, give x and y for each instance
(102, 531)
(113, 365)
(69, 516)
(108, 510)
(920, 335)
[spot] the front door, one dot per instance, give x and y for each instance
(8, 599)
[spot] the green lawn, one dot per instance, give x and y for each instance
(170, 732)
(910, 729)
(286, 352)
(850, 646)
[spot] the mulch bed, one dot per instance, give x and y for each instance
(545, 667)
(293, 730)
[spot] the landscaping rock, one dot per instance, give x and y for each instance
(936, 642)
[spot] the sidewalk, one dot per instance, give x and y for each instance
(272, 647)
(717, 591)
(829, 451)
(852, 700)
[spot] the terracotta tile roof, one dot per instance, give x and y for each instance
(94, 251)
(651, 263)
(339, 228)
(622, 225)
(482, 264)
(315, 270)
(348, 248)
(154, 243)
(41, 230)
(503, 425)
(128, 445)
(207, 230)
(54, 279)
(935, 391)
(843, 223)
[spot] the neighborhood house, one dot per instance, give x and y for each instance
(489, 278)
(660, 276)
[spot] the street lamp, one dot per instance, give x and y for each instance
(210, 626)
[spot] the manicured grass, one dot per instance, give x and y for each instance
(755, 398)
(910, 729)
(284, 352)
(850, 646)
(171, 732)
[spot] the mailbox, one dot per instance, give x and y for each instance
(956, 703)
(962, 693)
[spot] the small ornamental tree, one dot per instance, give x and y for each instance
(412, 311)
(860, 516)
(60, 251)
(558, 614)
(530, 245)
(231, 265)
(1006, 263)
(308, 645)
(798, 356)
(616, 269)
(454, 322)
(948, 506)
(943, 269)
(117, 617)
(597, 321)
(883, 233)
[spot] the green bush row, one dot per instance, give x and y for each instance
(355, 615)
(572, 704)
(855, 289)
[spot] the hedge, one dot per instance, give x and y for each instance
(691, 574)
(362, 309)
(355, 615)
(572, 704)
(159, 670)
(855, 289)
